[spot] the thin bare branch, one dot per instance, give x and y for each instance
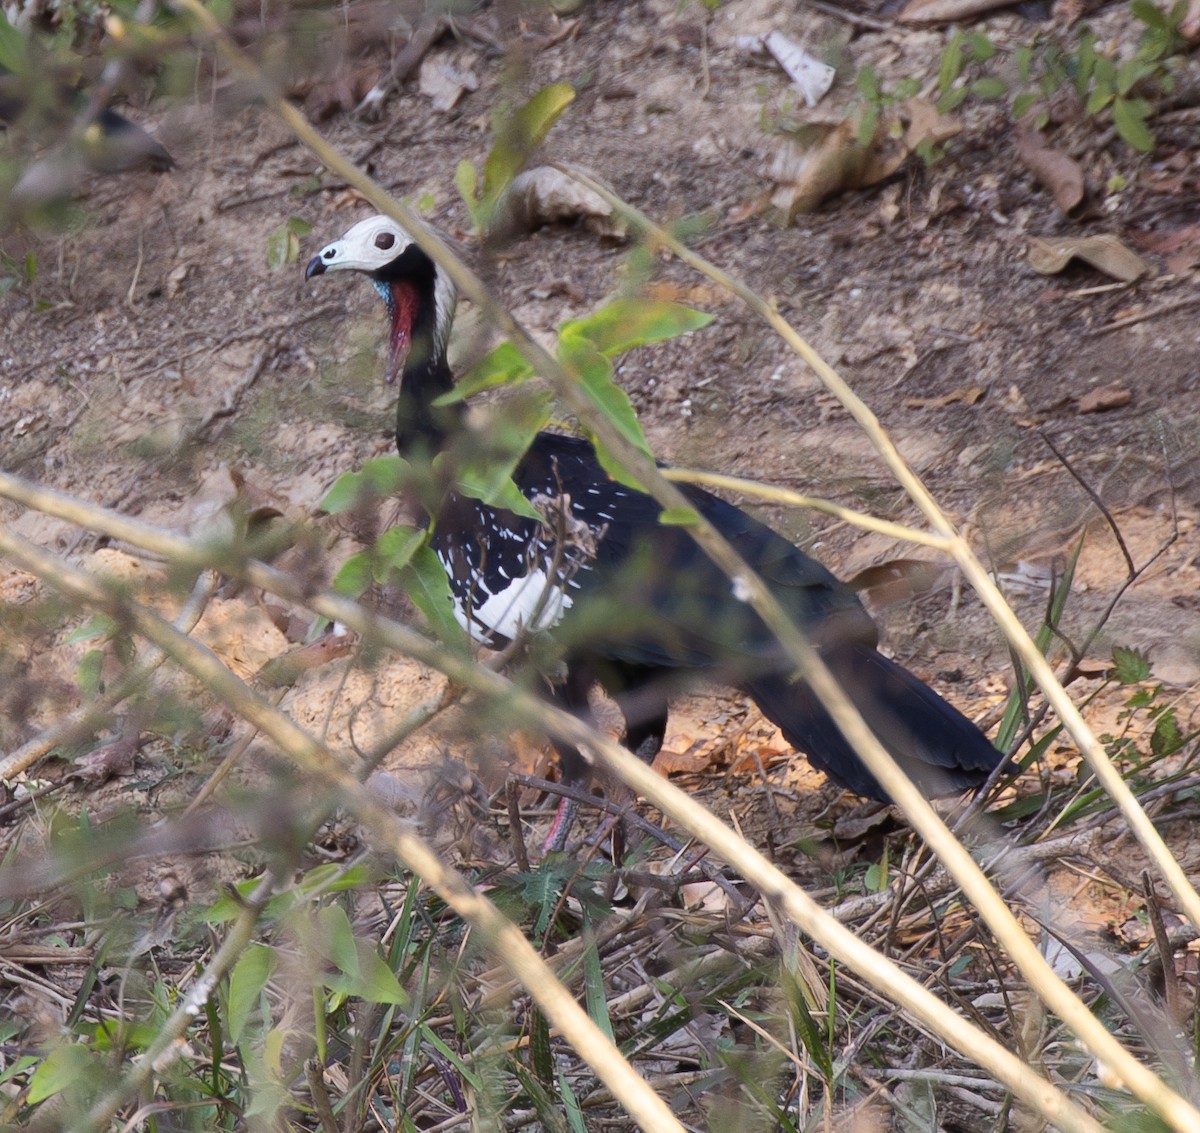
(505, 938)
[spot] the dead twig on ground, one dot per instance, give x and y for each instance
(1143, 316)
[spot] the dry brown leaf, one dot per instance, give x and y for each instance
(113, 758)
(1017, 407)
(968, 395)
(704, 895)
(927, 123)
(851, 828)
(327, 97)
(946, 11)
(242, 636)
(809, 176)
(1061, 174)
(1180, 246)
(286, 669)
(1105, 253)
(696, 759)
(899, 580)
(840, 161)
(544, 195)
(1067, 12)
(694, 294)
(1105, 397)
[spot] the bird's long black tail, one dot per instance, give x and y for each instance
(935, 744)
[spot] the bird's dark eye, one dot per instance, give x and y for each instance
(384, 241)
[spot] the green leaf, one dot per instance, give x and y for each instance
(518, 133)
(867, 82)
(467, 184)
(807, 1027)
(379, 477)
(298, 225)
(1024, 103)
(1130, 665)
(594, 372)
(377, 982)
(363, 971)
(595, 993)
(499, 367)
(354, 575)
(395, 547)
(335, 939)
(1130, 73)
(1097, 101)
(1085, 62)
(483, 465)
(246, 982)
(867, 124)
(989, 87)
(425, 582)
(12, 47)
(1166, 737)
(1023, 56)
(1129, 117)
(952, 100)
(627, 323)
(952, 62)
(88, 675)
(98, 625)
(1149, 14)
(283, 247)
(65, 1066)
(541, 1056)
(679, 517)
(982, 49)
(571, 1105)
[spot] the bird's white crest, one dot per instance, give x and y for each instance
(370, 245)
(374, 243)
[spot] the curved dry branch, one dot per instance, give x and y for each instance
(795, 499)
(880, 972)
(385, 828)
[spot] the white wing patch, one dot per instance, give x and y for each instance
(530, 603)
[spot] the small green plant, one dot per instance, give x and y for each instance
(1122, 93)
(1145, 708)
(18, 273)
(878, 100)
(283, 243)
(955, 82)
(1036, 73)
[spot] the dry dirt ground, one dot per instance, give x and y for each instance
(154, 353)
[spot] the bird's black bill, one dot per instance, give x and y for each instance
(315, 267)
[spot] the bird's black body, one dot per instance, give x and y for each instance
(115, 145)
(633, 602)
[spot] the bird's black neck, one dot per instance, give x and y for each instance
(417, 354)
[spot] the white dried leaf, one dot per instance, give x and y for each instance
(812, 77)
(444, 84)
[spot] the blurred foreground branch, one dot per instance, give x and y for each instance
(386, 829)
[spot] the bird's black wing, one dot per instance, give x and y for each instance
(646, 593)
